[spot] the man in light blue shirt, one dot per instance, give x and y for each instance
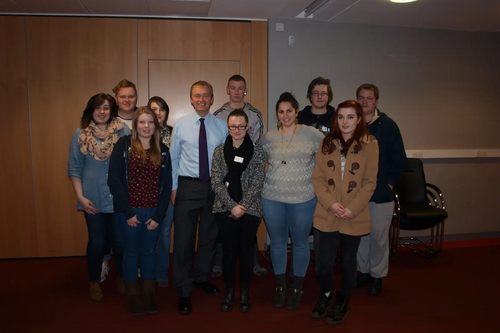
(194, 198)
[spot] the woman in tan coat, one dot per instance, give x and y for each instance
(344, 179)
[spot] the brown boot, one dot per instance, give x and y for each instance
(134, 301)
(148, 296)
(96, 292)
(120, 283)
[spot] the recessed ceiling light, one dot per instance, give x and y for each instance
(402, 1)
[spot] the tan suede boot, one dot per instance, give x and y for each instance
(148, 296)
(96, 292)
(134, 301)
(120, 283)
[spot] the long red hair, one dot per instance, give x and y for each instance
(328, 145)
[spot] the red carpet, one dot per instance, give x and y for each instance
(457, 292)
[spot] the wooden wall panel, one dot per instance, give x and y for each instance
(185, 73)
(183, 40)
(69, 59)
(17, 225)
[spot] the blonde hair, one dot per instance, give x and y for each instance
(154, 141)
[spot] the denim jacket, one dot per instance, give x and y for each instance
(118, 180)
(92, 173)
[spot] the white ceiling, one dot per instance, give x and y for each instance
(463, 15)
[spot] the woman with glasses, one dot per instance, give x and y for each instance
(344, 179)
(238, 168)
(288, 198)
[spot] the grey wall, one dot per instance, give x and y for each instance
(441, 87)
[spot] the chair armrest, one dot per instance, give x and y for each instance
(436, 191)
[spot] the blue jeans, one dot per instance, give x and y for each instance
(139, 244)
(103, 231)
(283, 219)
(163, 250)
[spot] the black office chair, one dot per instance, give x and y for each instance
(418, 206)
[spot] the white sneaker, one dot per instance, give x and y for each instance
(104, 271)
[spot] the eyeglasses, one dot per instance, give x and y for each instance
(317, 93)
(234, 127)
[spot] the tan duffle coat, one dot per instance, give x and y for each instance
(353, 192)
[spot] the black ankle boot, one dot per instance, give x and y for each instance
(297, 292)
(245, 305)
(279, 298)
(340, 310)
(322, 306)
(227, 303)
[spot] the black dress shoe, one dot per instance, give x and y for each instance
(375, 286)
(207, 287)
(184, 305)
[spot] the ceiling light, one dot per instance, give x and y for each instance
(402, 1)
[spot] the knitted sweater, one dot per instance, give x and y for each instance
(290, 182)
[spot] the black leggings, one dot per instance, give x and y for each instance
(328, 244)
(237, 241)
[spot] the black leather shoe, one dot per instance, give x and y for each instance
(207, 287)
(375, 287)
(184, 305)
(362, 280)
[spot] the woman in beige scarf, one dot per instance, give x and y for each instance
(88, 163)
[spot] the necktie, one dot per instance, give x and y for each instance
(203, 153)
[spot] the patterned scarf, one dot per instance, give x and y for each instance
(88, 144)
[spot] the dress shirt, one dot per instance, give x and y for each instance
(184, 147)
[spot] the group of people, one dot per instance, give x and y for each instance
(324, 171)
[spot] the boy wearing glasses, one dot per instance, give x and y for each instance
(319, 114)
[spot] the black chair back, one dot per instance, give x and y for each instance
(411, 186)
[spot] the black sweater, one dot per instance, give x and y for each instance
(118, 180)
(323, 122)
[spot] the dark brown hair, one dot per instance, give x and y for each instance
(316, 82)
(95, 101)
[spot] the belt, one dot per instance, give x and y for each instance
(192, 178)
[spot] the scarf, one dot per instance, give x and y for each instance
(88, 144)
(235, 169)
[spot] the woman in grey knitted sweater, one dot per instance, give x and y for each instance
(238, 169)
(288, 199)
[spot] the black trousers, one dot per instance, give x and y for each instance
(193, 208)
(328, 243)
(237, 237)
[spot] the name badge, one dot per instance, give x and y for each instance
(238, 159)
